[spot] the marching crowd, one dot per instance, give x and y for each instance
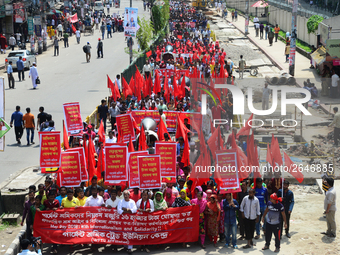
(265, 204)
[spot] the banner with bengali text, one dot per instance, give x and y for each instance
(149, 168)
(50, 149)
(70, 175)
(125, 126)
(168, 154)
(73, 121)
(84, 175)
(116, 164)
(99, 225)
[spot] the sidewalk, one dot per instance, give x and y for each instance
(276, 54)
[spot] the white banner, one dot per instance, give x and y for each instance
(130, 21)
(2, 98)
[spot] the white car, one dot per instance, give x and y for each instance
(27, 56)
(98, 6)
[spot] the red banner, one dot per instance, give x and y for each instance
(74, 18)
(171, 117)
(168, 154)
(227, 171)
(116, 164)
(84, 175)
(73, 121)
(124, 123)
(70, 169)
(133, 168)
(50, 149)
(99, 225)
(149, 172)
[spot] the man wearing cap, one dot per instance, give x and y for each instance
(33, 74)
(100, 48)
(288, 203)
(88, 52)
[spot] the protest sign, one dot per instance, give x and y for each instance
(84, 175)
(73, 121)
(168, 154)
(133, 168)
(149, 172)
(70, 175)
(124, 123)
(98, 225)
(116, 164)
(50, 149)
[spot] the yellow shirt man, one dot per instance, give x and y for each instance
(82, 200)
(69, 204)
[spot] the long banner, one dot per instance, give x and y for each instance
(171, 117)
(98, 225)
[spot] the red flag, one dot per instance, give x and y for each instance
(166, 88)
(149, 53)
(65, 138)
(183, 87)
(276, 153)
(269, 157)
(246, 129)
(215, 142)
(130, 147)
(101, 133)
(177, 93)
(157, 86)
(132, 85)
(186, 158)
(116, 88)
(242, 160)
(291, 168)
(180, 37)
(142, 140)
(126, 88)
(162, 130)
(135, 126)
(90, 160)
(101, 161)
(181, 130)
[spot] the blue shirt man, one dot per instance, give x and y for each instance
(21, 68)
(288, 203)
(9, 69)
(18, 123)
(230, 206)
(262, 195)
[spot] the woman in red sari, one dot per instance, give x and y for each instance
(202, 203)
(169, 197)
(213, 212)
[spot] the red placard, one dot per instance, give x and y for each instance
(73, 122)
(168, 154)
(133, 168)
(149, 172)
(116, 164)
(84, 175)
(99, 225)
(50, 149)
(227, 171)
(70, 169)
(124, 123)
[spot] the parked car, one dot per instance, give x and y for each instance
(27, 56)
(98, 6)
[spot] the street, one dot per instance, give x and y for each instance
(64, 78)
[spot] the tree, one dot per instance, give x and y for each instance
(144, 33)
(157, 18)
(313, 23)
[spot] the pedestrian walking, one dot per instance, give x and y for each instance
(28, 121)
(266, 30)
(241, 66)
(103, 113)
(3, 44)
(270, 36)
(96, 21)
(87, 50)
(336, 124)
(250, 209)
(277, 30)
(60, 30)
(265, 96)
(288, 203)
(334, 84)
(257, 29)
(10, 75)
(109, 33)
(230, 206)
(78, 35)
(330, 208)
(287, 51)
(21, 69)
(12, 42)
(66, 35)
(102, 29)
(232, 15)
(108, 8)
(33, 74)
(261, 31)
(18, 123)
(235, 14)
(274, 210)
(100, 48)
(56, 46)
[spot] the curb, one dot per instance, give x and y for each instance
(273, 60)
(9, 179)
(14, 248)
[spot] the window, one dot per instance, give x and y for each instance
(16, 54)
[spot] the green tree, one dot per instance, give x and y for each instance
(313, 23)
(144, 33)
(157, 18)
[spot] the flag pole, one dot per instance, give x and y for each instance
(283, 164)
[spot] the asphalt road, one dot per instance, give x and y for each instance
(64, 78)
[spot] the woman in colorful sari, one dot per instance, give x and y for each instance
(213, 212)
(199, 189)
(202, 203)
(181, 201)
(159, 202)
(169, 197)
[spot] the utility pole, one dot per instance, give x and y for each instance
(293, 39)
(130, 40)
(247, 18)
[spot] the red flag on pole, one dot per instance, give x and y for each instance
(162, 130)
(91, 160)
(101, 133)
(291, 166)
(142, 140)
(130, 147)
(276, 153)
(269, 157)
(149, 53)
(65, 138)
(246, 129)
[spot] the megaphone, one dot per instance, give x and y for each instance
(149, 124)
(169, 48)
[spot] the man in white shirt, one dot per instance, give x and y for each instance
(335, 84)
(330, 208)
(118, 82)
(78, 35)
(111, 138)
(114, 111)
(265, 96)
(94, 200)
(127, 206)
(250, 209)
(113, 201)
(60, 30)
(145, 204)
